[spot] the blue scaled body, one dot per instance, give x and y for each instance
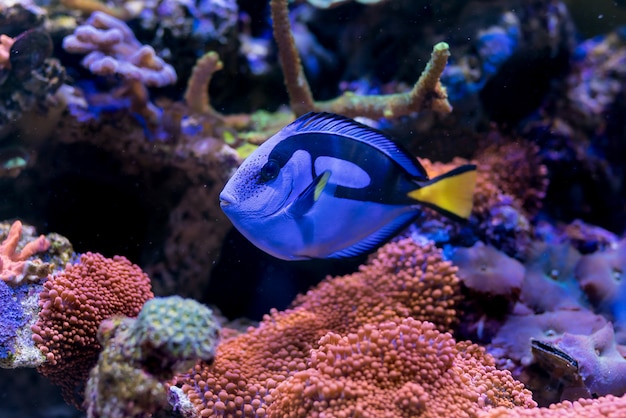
(326, 186)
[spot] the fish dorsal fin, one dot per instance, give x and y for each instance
(329, 123)
(305, 201)
(378, 238)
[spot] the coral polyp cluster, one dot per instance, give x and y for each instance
(140, 355)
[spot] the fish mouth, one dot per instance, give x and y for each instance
(226, 200)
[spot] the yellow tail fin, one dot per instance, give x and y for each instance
(451, 193)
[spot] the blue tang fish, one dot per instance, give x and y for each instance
(326, 186)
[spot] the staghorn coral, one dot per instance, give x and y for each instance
(73, 303)
(140, 354)
(419, 372)
(401, 280)
(15, 266)
(427, 93)
(197, 92)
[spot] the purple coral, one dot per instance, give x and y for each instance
(601, 276)
(112, 48)
(11, 319)
(601, 366)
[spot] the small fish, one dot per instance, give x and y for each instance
(326, 186)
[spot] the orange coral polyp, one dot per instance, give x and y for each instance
(73, 303)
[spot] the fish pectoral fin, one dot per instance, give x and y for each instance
(305, 201)
(452, 193)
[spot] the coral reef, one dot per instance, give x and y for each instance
(140, 354)
(120, 122)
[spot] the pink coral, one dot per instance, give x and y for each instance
(393, 369)
(112, 48)
(13, 263)
(402, 280)
(6, 42)
(73, 303)
(484, 269)
(605, 407)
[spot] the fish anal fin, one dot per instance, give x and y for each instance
(378, 238)
(451, 193)
(305, 201)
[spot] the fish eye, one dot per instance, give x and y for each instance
(270, 170)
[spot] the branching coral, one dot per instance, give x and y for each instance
(428, 93)
(112, 49)
(15, 266)
(73, 303)
(6, 42)
(197, 92)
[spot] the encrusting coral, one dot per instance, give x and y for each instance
(605, 407)
(73, 303)
(141, 354)
(402, 285)
(419, 371)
